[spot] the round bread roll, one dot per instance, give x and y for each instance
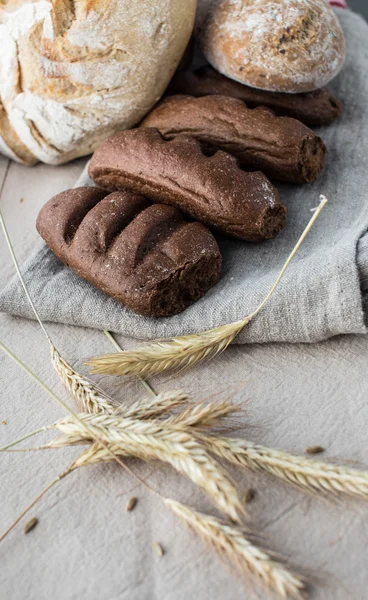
(275, 45)
(72, 72)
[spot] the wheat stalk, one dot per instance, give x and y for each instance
(73, 380)
(232, 543)
(77, 418)
(150, 440)
(87, 396)
(305, 473)
(185, 351)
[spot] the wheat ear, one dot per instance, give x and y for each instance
(197, 415)
(232, 543)
(77, 418)
(305, 473)
(186, 351)
(142, 380)
(150, 440)
(201, 415)
(87, 396)
(177, 353)
(153, 408)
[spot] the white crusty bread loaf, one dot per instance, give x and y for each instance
(276, 45)
(72, 72)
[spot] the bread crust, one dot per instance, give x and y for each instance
(276, 45)
(212, 189)
(146, 256)
(280, 147)
(316, 108)
(72, 73)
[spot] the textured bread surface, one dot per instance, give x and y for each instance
(146, 256)
(212, 189)
(275, 45)
(280, 147)
(72, 72)
(315, 108)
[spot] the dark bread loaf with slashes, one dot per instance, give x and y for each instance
(212, 189)
(280, 147)
(312, 108)
(145, 255)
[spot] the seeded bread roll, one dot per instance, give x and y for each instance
(280, 147)
(312, 108)
(212, 189)
(276, 45)
(145, 256)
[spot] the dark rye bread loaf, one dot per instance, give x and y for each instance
(313, 108)
(280, 147)
(212, 189)
(143, 255)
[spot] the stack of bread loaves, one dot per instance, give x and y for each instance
(207, 153)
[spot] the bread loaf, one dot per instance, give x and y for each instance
(280, 147)
(276, 45)
(72, 72)
(145, 256)
(315, 108)
(211, 189)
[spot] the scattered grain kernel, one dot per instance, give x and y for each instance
(315, 450)
(249, 495)
(21, 200)
(31, 525)
(131, 504)
(4, 422)
(158, 549)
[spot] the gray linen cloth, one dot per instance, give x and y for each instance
(325, 290)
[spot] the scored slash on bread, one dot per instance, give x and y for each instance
(145, 255)
(280, 147)
(312, 108)
(212, 189)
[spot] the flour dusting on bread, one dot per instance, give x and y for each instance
(72, 73)
(276, 45)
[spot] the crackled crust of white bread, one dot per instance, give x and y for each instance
(72, 72)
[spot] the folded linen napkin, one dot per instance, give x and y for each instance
(325, 290)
